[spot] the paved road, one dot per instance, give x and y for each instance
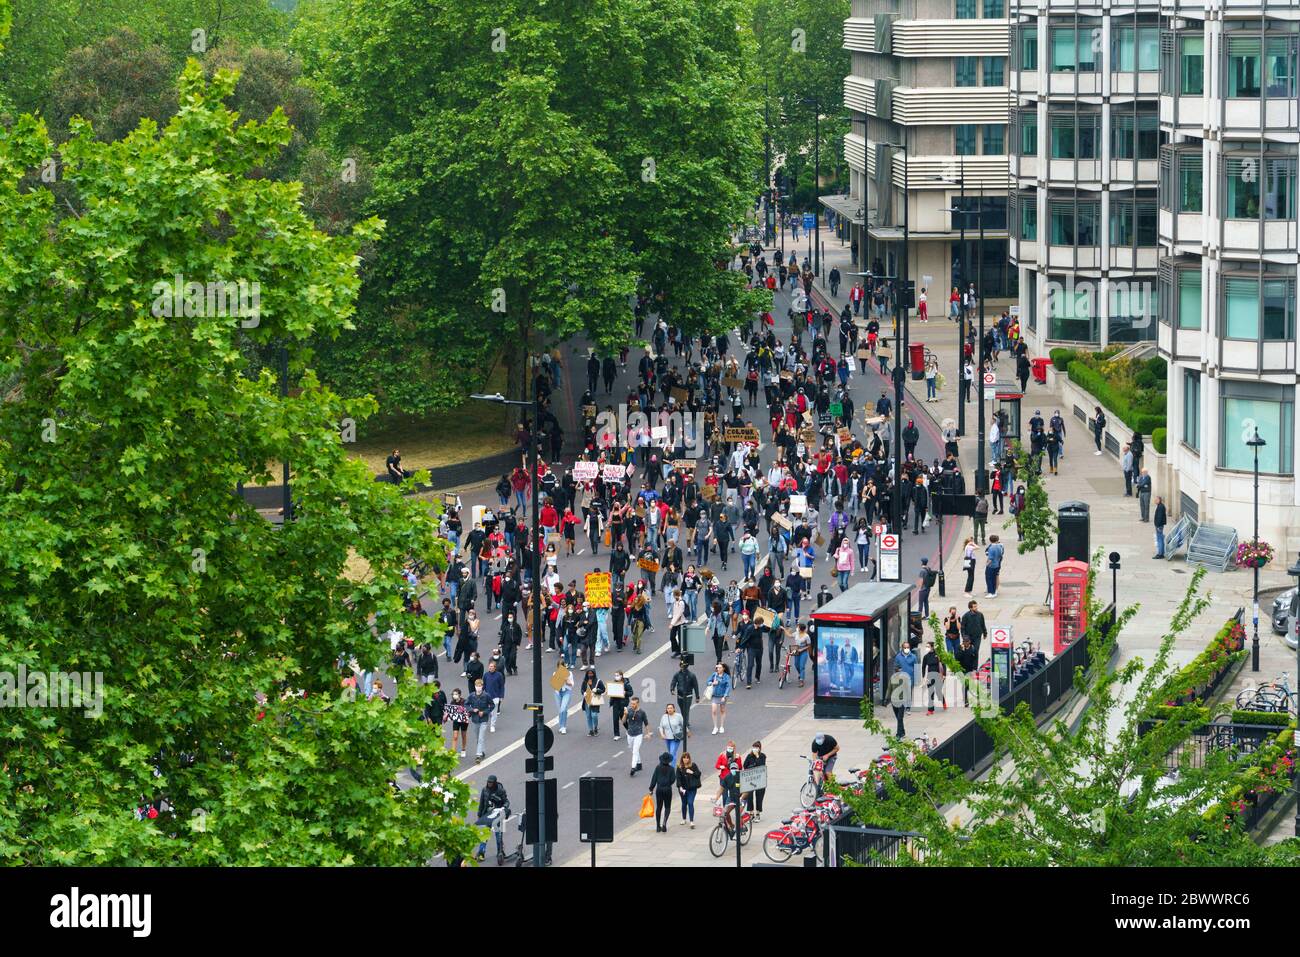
(751, 714)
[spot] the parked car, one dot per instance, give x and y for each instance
(1284, 606)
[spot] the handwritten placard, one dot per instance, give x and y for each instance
(736, 433)
(585, 471)
(612, 473)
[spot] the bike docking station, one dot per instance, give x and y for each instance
(855, 635)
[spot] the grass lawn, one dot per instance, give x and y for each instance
(474, 430)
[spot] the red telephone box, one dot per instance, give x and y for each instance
(1070, 602)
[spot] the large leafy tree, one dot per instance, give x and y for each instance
(127, 424)
(1095, 794)
(535, 162)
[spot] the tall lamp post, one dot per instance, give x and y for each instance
(544, 840)
(1294, 627)
(1114, 588)
(961, 313)
(817, 178)
(901, 305)
(1256, 443)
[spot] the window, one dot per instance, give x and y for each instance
(1071, 311)
(995, 139)
(995, 71)
(1073, 224)
(1243, 67)
(1029, 133)
(1247, 315)
(1072, 50)
(1028, 218)
(964, 139)
(1130, 311)
(1246, 408)
(1135, 48)
(1075, 141)
(1191, 66)
(994, 9)
(1280, 66)
(1244, 192)
(964, 67)
(1140, 132)
(1189, 183)
(1133, 222)
(1192, 409)
(966, 9)
(1029, 48)
(1189, 298)
(995, 212)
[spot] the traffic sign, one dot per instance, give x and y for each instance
(877, 530)
(889, 563)
(990, 386)
(754, 779)
(530, 764)
(530, 739)
(1000, 635)
(809, 220)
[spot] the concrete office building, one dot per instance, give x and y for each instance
(1230, 116)
(930, 74)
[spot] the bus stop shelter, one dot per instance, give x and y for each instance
(855, 638)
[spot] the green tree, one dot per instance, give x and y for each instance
(129, 418)
(1037, 520)
(1096, 794)
(528, 186)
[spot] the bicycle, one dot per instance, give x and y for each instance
(724, 831)
(812, 788)
(1275, 696)
(801, 831)
(785, 668)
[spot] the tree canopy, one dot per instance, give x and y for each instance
(130, 415)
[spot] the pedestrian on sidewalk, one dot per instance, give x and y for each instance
(982, 515)
(1126, 463)
(620, 697)
(967, 380)
(924, 582)
(922, 306)
(968, 658)
(662, 780)
(905, 664)
(1098, 427)
(754, 799)
(900, 693)
(1139, 450)
(855, 297)
(932, 380)
(688, 785)
(932, 673)
(973, 628)
(1144, 495)
(1159, 521)
(834, 278)
(968, 557)
(952, 631)
(993, 553)
(1022, 371)
(954, 304)
(844, 563)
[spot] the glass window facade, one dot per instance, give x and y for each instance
(1189, 298)
(1075, 136)
(1028, 133)
(1071, 311)
(965, 70)
(1191, 65)
(1192, 409)
(1072, 50)
(1133, 222)
(1259, 188)
(1255, 309)
(967, 9)
(994, 9)
(1029, 48)
(964, 139)
(1190, 183)
(1246, 408)
(1135, 136)
(995, 71)
(995, 139)
(1073, 224)
(1135, 48)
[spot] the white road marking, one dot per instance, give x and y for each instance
(602, 764)
(569, 785)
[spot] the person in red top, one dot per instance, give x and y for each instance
(823, 461)
(855, 297)
(550, 517)
(569, 525)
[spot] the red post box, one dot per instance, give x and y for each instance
(917, 359)
(1070, 602)
(1039, 367)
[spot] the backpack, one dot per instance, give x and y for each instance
(931, 576)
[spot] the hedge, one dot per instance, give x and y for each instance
(1227, 645)
(1093, 382)
(1202, 715)
(1160, 440)
(1275, 757)
(1061, 358)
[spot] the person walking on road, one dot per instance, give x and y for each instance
(688, 785)
(717, 689)
(662, 780)
(802, 646)
(479, 706)
(1161, 517)
(835, 281)
(672, 730)
(981, 519)
(593, 697)
(620, 694)
(494, 685)
(458, 717)
(635, 721)
(844, 560)
(687, 689)
(562, 682)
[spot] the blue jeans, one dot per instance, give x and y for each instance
(991, 579)
(701, 550)
(562, 705)
(996, 450)
(570, 654)
(747, 563)
(931, 388)
(602, 637)
(593, 719)
(801, 663)
(688, 804)
(692, 600)
(674, 747)
(864, 555)
(844, 580)
(1160, 542)
(521, 499)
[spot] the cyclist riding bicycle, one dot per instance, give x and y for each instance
(826, 749)
(493, 808)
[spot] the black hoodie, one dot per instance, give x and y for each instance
(663, 777)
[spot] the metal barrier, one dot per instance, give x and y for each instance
(870, 846)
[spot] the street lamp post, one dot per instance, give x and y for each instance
(1256, 443)
(1294, 627)
(544, 840)
(981, 475)
(1114, 588)
(900, 359)
(961, 312)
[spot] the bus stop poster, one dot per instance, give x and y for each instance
(840, 662)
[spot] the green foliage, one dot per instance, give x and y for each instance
(1037, 520)
(1061, 357)
(1160, 440)
(1223, 650)
(1139, 409)
(1091, 794)
(125, 430)
(1157, 367)
(528, 187)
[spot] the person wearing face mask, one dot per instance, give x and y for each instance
(717, 689)
(728, 763)
(672, 729)
(619, 690)
(754, 799)
(458, 716)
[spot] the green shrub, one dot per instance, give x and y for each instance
(1158, 367)
(1145, 379)
(1279, 719)
(1061, 358)
(1144, 413)
(1160, 440)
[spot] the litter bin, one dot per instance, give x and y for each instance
(917, 359)
(1072, 537)
(1039, 367)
